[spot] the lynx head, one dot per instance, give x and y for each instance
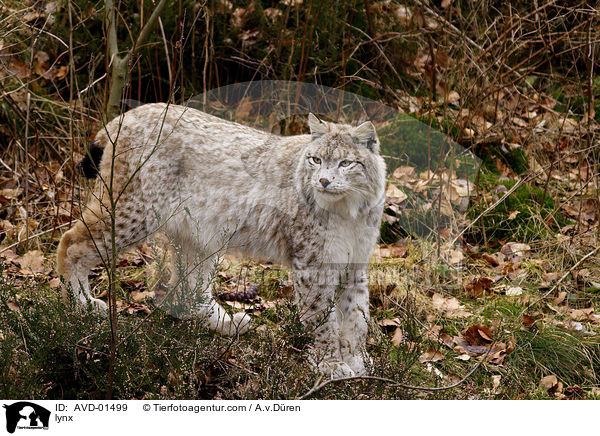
(341, 169)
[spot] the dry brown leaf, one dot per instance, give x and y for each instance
(515, 249)
(497, 354)
(132, 307)
(436, 334)
(32, 262)
(9, 255)
(389, 325)
(431, 355)
(11, 193)
(398, 338)
(60, 72)
(560, 298)
(452, 96)
(32, 16)
(403, 173)
(496, 383)
(445, 233)
(528, 321)
(485, 333)
(513, 214)
(394, 194)
(41, 62)
(450, 306)
(580, 314)
(519, 122)
(490, 259)
(476, 287)
(455, 257)
(510, 347)
(54, 283)
(392, 250)
(244, 107)
(478, 335)
(550, 383)
(20, 69)
(12, 305)
(140, 296)
(573, 392)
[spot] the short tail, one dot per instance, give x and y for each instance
(90, 164)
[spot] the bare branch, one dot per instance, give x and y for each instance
(395, 383)
(145, 32)
(111, 28)
(120, 64)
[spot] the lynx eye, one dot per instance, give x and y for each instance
(314, 160)
(345, 163)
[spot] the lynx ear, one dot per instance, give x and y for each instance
(365, 135)
(317, 127)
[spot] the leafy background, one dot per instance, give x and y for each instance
(513, 82)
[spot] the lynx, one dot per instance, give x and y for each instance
(312, 202)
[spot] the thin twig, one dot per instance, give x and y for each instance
(565, 275)
(510, 191)
(379, 49)
(493, 206)
(35, 236)
(395, 383)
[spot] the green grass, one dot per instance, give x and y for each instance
(536, 215)
(49, 350)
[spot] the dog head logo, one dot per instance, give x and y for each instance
(26, 415)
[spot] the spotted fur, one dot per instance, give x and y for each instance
(313, 202)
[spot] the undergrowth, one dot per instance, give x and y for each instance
(51, 350)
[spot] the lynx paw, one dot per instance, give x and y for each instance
(330, 366)
(334, 369)
(242, 322)
(97, 306)
(357, 363)
(239, 324)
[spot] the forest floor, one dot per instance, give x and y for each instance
(508, 320)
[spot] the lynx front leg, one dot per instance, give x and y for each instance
(315, 301)
(195, 289)
(77, 254)
(353, 305)
(217, 317)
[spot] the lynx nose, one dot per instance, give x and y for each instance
(324, 182)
